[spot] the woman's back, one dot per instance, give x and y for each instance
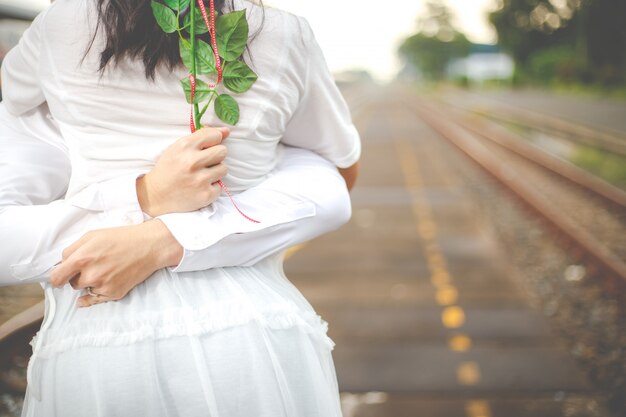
(119, 122)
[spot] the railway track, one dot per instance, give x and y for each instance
(15, 335)
(606, 139)
(588, 211)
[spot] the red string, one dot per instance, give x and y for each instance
(211, 28)
(192, 82)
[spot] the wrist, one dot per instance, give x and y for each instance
(146, 196)
(166, 250)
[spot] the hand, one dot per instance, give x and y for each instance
(186, 174)
(113, 261)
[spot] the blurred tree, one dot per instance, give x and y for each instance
(436, 42)
(605, 35)
(583, 39)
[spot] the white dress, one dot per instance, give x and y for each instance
(227, 342)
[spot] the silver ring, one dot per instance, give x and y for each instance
(90, 292)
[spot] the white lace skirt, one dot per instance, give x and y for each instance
(231, 342)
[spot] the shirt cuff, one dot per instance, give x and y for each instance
(116, 197)
(119, 197)
(183, 226)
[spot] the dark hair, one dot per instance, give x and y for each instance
(131, 31)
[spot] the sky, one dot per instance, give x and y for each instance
(365, 34)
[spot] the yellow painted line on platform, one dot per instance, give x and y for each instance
(436, 260)
(407, 164)
(477, 408)
(427, 229)
(453, 317)
(460, 343)
(468, 373)
(440, 278)
(447, 295)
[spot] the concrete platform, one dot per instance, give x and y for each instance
(424, 308)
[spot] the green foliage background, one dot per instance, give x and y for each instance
(567, 41)
(571, 42)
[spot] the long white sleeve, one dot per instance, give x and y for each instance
(34, 166)
(303, 199)
(35, 171)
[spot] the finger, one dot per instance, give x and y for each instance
(78, 282)
(74, 282)
(212, 156)
(68, 251)
(207, 137)
(225, 130)
(215, 189)
(211, 193)
(88, 300)
(216, 172)
(64, 272)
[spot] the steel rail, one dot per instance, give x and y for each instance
(535, 154)
(14, 334)
(607, 139)
(467, 142)
(582, 135)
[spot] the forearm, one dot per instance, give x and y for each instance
(350, 174)
(35, 236)
(303, 199)
(34, 171)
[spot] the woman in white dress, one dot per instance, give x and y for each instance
(236, 341)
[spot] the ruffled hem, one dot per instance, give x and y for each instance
(183, 321)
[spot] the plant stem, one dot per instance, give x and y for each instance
(192, 39)
(178, 28)
(204, 109)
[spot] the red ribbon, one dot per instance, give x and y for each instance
(211, 28)
(192, 82)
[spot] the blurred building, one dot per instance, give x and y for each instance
(484, 63)
(351, 77)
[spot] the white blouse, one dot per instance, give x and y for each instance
(115, 127)
(107, 154)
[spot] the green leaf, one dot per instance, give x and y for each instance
(238, 77)
(227, 109)
(165, 17)
(205, 58)
(200, 25)
(177, 5)
(232, 34)
(203, 92)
